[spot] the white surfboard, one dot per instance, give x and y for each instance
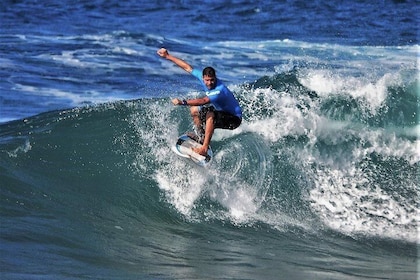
(184, 146)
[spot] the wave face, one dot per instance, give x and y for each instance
(90, 184)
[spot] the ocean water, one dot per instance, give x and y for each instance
(319, 182)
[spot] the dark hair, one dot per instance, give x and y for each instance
(209, 71)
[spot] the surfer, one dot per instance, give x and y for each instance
(218, 109)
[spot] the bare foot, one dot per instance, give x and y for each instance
(200, 151)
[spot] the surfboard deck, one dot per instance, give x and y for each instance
(183, 148)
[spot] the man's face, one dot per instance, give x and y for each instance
(210, 82)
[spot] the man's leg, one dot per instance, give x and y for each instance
(207, 135)
(195, 114)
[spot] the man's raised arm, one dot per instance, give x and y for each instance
(165, 54)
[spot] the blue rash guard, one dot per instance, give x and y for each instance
(220, 97)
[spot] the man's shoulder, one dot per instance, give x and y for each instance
(221, 87)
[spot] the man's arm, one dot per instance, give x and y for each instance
(192, 102)
(165, 54)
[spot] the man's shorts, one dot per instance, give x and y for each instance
(221, 119)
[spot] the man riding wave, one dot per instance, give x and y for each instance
(218, 109)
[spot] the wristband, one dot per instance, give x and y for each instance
(184, 102)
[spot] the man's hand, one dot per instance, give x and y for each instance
(192, 102)
(176, 101)
(163, 52)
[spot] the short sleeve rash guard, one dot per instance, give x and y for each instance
(220, 97)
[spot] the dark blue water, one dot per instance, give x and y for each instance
(319, 182)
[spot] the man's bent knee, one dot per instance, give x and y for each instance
(194, 111)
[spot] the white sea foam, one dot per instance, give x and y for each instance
(24, 148)
(76, 99)
(344, 196)
(327, 83)
(238, 195)
(347, 201)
